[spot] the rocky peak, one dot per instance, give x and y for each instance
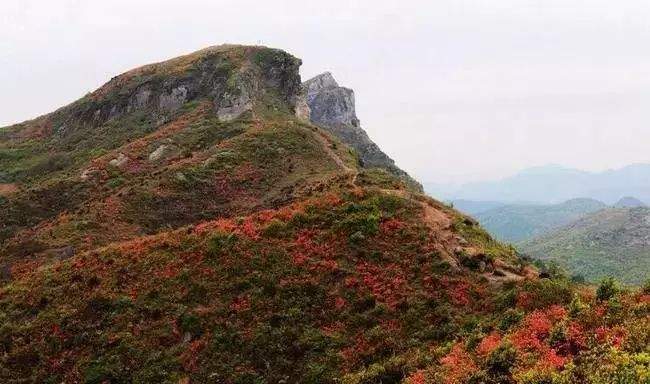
(315, 84)
(330, 104)
(333, 108)
(235, 79)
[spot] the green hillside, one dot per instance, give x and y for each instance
(519, 222)
(611, 242)
(187, 223)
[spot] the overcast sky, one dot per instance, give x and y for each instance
(453, 90)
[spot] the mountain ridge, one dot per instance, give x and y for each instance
(188, 224)
(609, 242)
(554, 184)
(518, 222)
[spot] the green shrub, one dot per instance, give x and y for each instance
(607, 289)
(501, 359)
(221, 243)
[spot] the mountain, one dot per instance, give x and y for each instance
(554, 184)
(629, 202)
(515, 223)
(188, 223)
(472, 207)
(609, 242)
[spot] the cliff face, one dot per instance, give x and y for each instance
(333, 108)
(233, 78)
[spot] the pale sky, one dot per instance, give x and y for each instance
(453, 90)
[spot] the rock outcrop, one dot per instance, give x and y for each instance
(333, 108)
(159, 90)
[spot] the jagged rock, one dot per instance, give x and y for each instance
(333, 108)
(173, 100)
(330, 104)
(233, 104)
(180, 177)
(302, 107)
(160, 152)
(90, 173)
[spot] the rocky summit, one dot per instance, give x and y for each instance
(332, 108)
(192, 221)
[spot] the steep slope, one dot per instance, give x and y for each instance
(332, 108)
(519, 222)
(611, 242)
(554, 184)
(209, 134)
(228, 240)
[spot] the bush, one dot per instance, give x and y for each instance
(501, 360)
(607, 289)
(221, 243)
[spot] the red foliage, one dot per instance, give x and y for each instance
(386, 283)
(391, 225)
(190, 357)
(340, 303)
(240, 304)
(459, 291)
(488, 344)
(458, 365)
(614, 336)
(353, 354)
(416, 378)
(524, 300)
(249, 229)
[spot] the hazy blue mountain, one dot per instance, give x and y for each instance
(553, 184)
(518, 222)
(472, 207)
(629, 202)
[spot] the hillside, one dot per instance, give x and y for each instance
(519, 222)
(610, 242)
(554, 184)
(189, 223)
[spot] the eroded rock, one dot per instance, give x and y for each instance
(120, 161)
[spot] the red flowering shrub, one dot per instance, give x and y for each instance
(488, 344)
(458, 365)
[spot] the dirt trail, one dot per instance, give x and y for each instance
(352, 173)
(333, 155)
(440, 223)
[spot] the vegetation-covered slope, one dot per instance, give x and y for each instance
(230, 241)
(77, 179)
(611, 242)
(518, 222)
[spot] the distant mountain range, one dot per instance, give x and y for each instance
(518, 222)
(609, 242)
(553, 184)
(585, 236)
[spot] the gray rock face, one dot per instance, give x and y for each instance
(173, 100)
(332, 108)
(158, 92)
